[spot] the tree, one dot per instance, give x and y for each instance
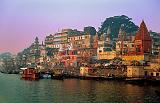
(90, 30)
(5, 55)
(8, 65)
(115, 23)
(36, 48)
(49, 51)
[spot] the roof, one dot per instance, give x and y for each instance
(143, 33)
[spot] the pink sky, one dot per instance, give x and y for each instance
(22, 20)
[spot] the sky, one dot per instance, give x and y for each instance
(22, 20)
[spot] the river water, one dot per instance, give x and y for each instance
(15, 90)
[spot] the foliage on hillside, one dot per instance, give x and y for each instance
(90, 30)
(115, 23)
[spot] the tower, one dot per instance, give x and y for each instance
(121, 38)
(121, 35)
(143, 41)
(95, 41)
(108, 34)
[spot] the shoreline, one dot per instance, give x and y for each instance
(131, 80)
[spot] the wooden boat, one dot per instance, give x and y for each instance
(57, 76)
(30, 73)
(139, 81)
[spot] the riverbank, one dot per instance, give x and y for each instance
(131, 80)
(10, 72)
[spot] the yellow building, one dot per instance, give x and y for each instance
(144, 57)
(105, 46)
(105, 53)
(84, 71)
(135, 71)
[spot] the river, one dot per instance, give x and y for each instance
(15, 90)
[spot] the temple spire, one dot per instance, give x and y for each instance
(143, 40)
(108, 34)
(143, 33)
(121, 33)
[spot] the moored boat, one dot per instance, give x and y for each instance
(57, 76)
(30, 73)
(45, 75)
(136, 80)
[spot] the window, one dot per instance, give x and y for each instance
(157, 74)
(125, 45)
(138, 50)
(100, 51)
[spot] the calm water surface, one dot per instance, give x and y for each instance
(14, 90)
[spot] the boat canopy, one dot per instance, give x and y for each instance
(23, 68)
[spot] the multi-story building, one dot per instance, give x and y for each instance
(105, 47)
(79, 49)
(49, 41)
(142, 45)
(124, 44)
(143, 41)
(156, 42)
(80, 40)
(61, 39)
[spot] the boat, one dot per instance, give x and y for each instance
(136, 80)
(30, 73)
(45, 75)
(57, 76)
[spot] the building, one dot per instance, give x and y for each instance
(68, 57)
(156, 43)
(135, 71)
(143, 41)
(86, 71)
(61, 39)
(80, 40)
(124, 44)
(78, 50)
(142, 46)
(105, 47)
(95, 41)
(49, 41)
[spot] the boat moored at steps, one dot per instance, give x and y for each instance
(30, 73)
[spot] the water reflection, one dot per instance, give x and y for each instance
(14, 90)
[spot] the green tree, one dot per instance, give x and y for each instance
(36, 48)
(90, 30)
(49, 51)
(115, 23)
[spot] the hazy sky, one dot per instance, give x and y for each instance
(22, 20)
